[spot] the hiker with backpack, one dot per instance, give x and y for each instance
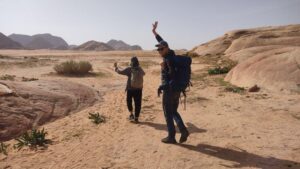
(134, 87)
(175, 76)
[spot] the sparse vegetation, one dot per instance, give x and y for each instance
(8, 77)
(218, 70)
(235, 89)
(96, 118)
(3, 148)
(73, 68)
(229, 87)
(32, 139)
(25, 79)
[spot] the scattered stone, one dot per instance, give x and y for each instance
(254, 88)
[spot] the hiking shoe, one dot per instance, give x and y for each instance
(168, 140)
(131, 117)
(136, 120)
(184, 136)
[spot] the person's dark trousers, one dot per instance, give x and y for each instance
(135, 95)
(170, 105)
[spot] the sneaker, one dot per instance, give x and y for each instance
(131, 117)
(168, 140)
(184, 136)
(136, 120)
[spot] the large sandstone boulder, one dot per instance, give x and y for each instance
(268, 57)
(37, 102)
(277, 69)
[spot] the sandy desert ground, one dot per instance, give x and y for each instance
(228, 130)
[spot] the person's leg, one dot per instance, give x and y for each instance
(176, 115)
(168, 112)
(138, 103)
(180, 124)
(129, 103)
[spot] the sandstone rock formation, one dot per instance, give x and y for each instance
(37, 102)
(268, 57)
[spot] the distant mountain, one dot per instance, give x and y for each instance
(120, 45)
(95, 46)
(22, 39)
(40, 41)
(72, 46)
(7, 43)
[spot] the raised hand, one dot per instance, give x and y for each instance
(154, 26)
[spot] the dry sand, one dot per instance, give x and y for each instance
(250, 130)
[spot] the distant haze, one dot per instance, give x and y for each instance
(184, 24)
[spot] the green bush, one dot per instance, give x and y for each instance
(3, 148)
(32, 139)
(73, 68)
(218, 70)
(96, 118)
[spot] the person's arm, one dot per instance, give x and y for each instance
(123, 72)
(157, 36)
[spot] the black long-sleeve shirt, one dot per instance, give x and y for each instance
(168, 72)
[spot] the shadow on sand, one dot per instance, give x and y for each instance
(242, 157)
(191, 127)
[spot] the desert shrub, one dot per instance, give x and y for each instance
(230, 87)
(235, 89)
(3, 148)
(8, 77)
(96, 118)
(25, 79)
(32, 139)
(73, 68)
(218, 70)
(84, 67)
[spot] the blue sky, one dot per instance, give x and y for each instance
(183, 23)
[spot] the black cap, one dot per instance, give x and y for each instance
(162, 44)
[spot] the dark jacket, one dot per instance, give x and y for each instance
(168, 73)
(127, 72)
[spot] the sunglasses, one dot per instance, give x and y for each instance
(160, 49)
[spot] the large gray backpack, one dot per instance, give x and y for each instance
(137, 78)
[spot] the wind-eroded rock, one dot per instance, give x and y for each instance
(268, 57)
(37, 102)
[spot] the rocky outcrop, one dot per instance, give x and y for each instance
(267, 57)
(24, 105)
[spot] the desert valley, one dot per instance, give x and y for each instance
(245, 117)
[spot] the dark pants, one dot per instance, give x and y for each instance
(170, 105)
(136, 95)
